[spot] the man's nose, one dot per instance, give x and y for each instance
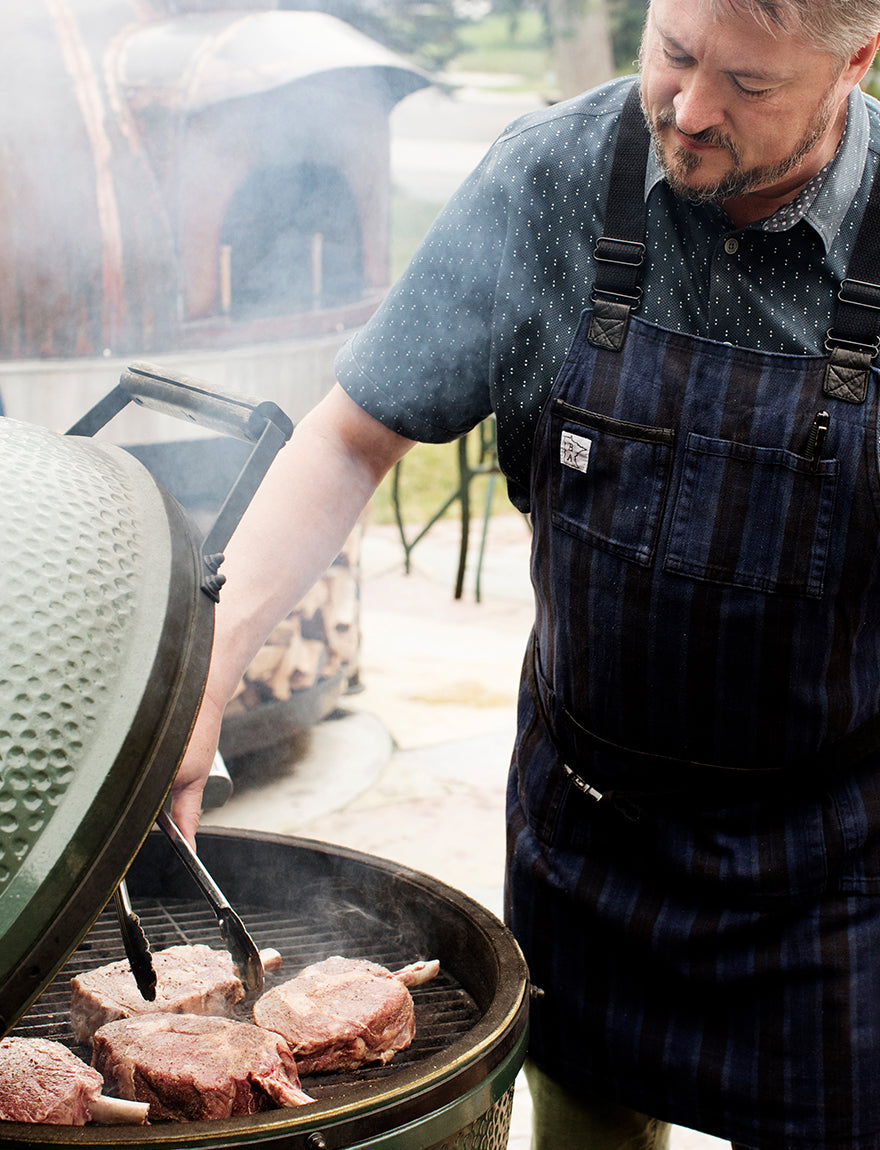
(697, 105)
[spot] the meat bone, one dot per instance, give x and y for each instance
(238, 941)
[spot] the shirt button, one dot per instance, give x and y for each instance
(731, 246)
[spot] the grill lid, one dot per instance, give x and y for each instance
(105, 639)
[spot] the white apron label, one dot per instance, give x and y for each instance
(574, 451)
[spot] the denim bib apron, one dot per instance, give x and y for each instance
(694, 806)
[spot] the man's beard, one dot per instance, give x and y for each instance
(739, 180)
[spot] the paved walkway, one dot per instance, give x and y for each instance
(414, 767)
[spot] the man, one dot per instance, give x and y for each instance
(694, 804)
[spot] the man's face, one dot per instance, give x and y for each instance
(734, 109)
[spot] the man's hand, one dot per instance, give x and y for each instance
(186, 793)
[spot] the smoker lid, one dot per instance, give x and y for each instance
(104, 648)
(190, 62)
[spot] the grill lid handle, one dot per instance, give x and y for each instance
(258, 422)
(184, 397)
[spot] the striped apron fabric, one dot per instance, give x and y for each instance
(695, 885)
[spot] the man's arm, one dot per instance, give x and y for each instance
(292, 531)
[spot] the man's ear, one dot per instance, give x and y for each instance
(861, 61)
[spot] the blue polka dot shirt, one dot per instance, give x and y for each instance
(481, 319)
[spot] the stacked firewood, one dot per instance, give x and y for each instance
(318, 640)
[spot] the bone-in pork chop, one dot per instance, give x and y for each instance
(189, 980)
(191, 1067)
(343, 1012)
(43, 1081)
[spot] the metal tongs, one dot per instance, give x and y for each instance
(239, 943)
(137, 947)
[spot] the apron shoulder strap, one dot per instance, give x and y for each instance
(854, 339)
(620, 250)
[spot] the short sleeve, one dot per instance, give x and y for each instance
(421, 365)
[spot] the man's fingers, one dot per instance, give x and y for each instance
(186, 808)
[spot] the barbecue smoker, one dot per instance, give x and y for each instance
(106, 626)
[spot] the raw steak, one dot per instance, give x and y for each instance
(189, 980)
(343, 1012)
(191, 1067)
(43, 1081)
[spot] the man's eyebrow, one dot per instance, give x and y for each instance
(745, 73)
(755, 74)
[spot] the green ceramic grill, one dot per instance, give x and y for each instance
(105, 633)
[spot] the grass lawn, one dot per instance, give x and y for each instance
(514, 46)
(429, 475)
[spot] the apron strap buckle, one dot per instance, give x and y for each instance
(860, 293)
(854, 342)
(616, 292)
(628, 253)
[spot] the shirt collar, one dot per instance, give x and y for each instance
(823, 208)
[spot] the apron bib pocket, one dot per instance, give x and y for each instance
(753, 517)
(609, 480)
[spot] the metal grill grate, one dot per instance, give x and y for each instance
(444, 1010)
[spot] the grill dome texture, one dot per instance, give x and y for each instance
(73, 557)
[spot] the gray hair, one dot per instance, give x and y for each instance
(839, 27)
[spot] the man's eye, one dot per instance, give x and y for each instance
(752, 93)
(676, 58)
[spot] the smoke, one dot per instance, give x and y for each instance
(171, 170)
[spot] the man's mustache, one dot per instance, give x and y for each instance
(713, 136)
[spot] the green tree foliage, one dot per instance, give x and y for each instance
(626, 18)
